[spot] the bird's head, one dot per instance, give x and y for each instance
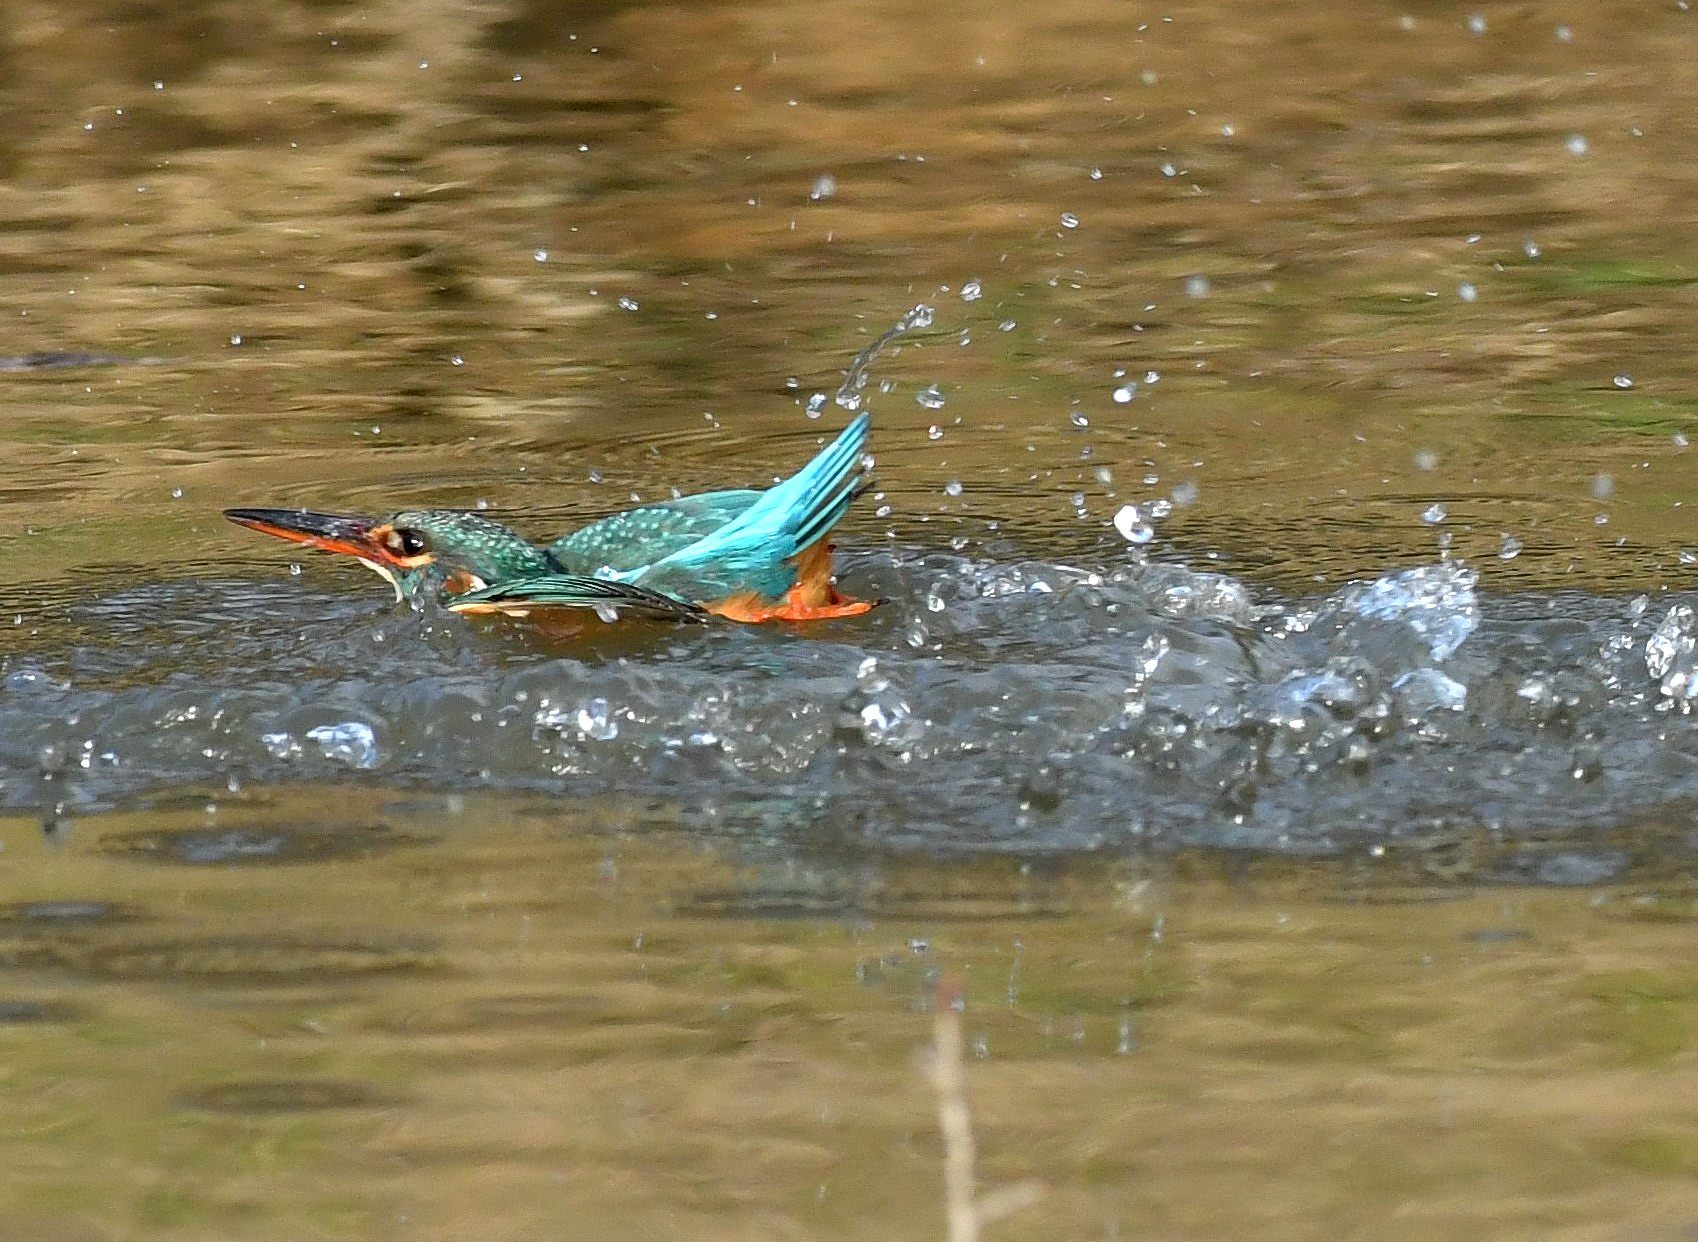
(455, 551)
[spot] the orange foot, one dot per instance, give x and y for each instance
(812, 598)
(793, 607)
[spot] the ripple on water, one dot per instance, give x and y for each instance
(32, 1013)
(780, 902)
(225, 961)
(27, 917)
(1672, 903)
(254, 1097)
(251, 846)
(993, 705)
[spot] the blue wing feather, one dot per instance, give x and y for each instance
(754, 551)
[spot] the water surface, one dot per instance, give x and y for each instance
(1280, 719)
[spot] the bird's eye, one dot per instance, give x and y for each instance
(405, 542)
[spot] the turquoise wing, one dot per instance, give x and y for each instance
(638, 537)
(754, 550)
(522, 596)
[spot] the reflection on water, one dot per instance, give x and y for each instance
(1296, 464)
(570, 1021)
(1354, 265)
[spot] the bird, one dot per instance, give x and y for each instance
(745, 555)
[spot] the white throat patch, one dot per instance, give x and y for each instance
(387, 574)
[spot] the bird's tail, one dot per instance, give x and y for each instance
(813, 500)
(791, 516)
(522, 596)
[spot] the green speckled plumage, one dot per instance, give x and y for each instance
(638, 537)
(471, 544)
(467, 544)
(735, 551)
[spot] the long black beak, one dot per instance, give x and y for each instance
(333, 532)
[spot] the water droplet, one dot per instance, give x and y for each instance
(1125, 393)
(176, 493)
(236, 339)
(1564, 34)
(596, 475)
(1509, 547)
(541, 256)
(881, 721)
(1623, 381)
(1152, 377)
(952, 488)
(1069, 220)
(294, 569)
(816, 404)
(1577, 144)
(1688, 557)
(1096, 174)
(1603, 486)
(628, 304)
(1078, 419)
(934, 432)
(457, 360)
(1680, 440)
(597, 722)
(278, 745)
(1197, 287)
(1185, 494)
(1477, 24)
(1426, 459)
(930, 397)
(825, 186)
(1007, 325)
(1433, 514)
(351, 742)
(1467, 292)
(1129, 521)
(972, 291)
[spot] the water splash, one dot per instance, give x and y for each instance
(1671, 655)
(855, 380)
(992, 704)
(351, 742)
(1436, 602)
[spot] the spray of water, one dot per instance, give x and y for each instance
(855, 380)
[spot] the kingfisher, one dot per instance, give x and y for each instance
(746, 555)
